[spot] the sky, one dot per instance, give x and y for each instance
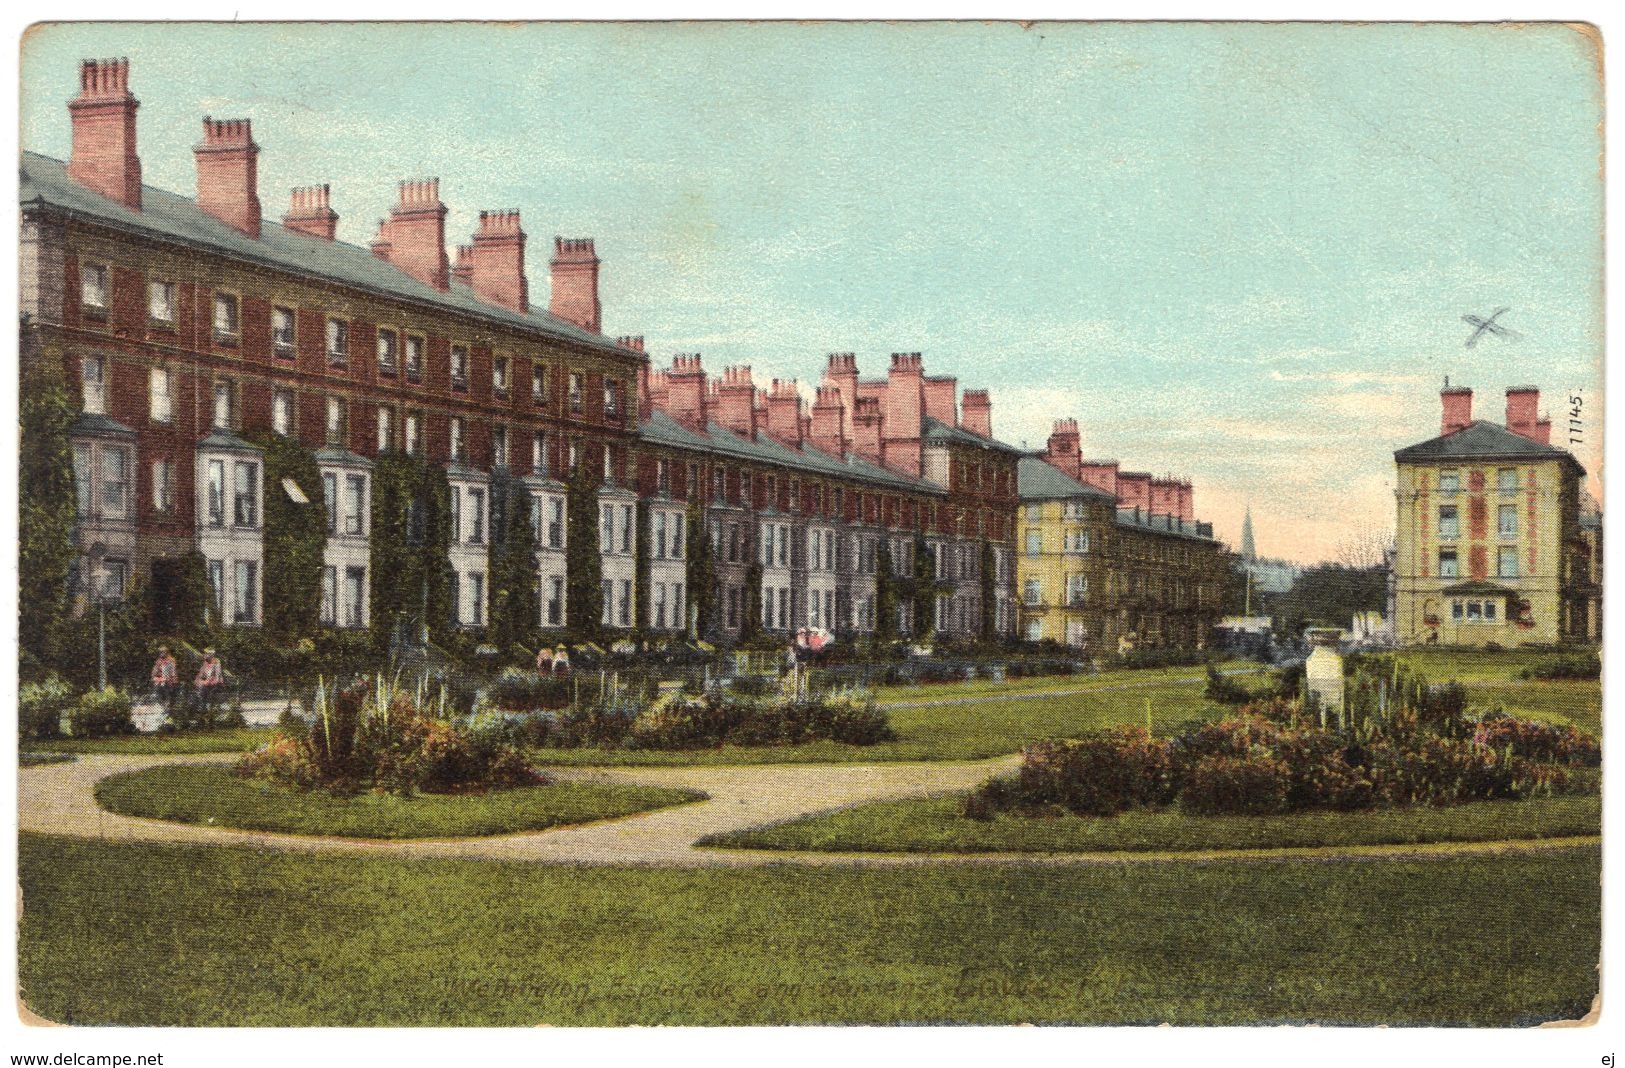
(1238, 253)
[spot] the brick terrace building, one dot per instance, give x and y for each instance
(1110, 561)
(187, 323)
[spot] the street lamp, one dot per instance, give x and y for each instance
(98, 590)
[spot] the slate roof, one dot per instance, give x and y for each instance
(936, 430)
(1040, 481)
(95, 423)
(225, 439)
(1482, 440)
(662, 429)
(172, 217)
(1163, 524)
(332, 454)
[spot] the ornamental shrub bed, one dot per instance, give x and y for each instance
(1568, 666)
(678, 720)
(102, 713)
(41, 707)
(1253, 765)
(376, 735)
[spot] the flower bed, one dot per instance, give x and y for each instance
(375, 735)
(1250, 765)
(676, 720)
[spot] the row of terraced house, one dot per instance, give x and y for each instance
(190, 325)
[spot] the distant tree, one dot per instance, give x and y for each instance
(990, 595)
(1366, 546)
(583, 567)
(1330, 594)
(701, 571)
(45, 506)
(295, 538)
(886, 593)
(515, 578)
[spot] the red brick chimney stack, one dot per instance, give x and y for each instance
(228, 174)
(784, 413)
(498, 261)
(941, 399)
(1457, 405)
(977, 412)
(631, 341)
(462, 266)
(1063, 449)
(736, 401)
(827, 432)
(1523, 410)
(868, 440)
(311, 212)
(688, 397)
(413, 238)
(842, 375)
(104, 157)
(574, 274)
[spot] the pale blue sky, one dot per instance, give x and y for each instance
(1238, 253)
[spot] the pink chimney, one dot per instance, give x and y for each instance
(977, 412)
(413, 238)
(497, 261)
(736, 401)
(104, 157)
(784, 413)
(574, 274)
(310, 211)
(228, 174)
(828, 416)
(687, 396)
(1457, 405)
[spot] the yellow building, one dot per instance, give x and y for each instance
(1489, 542)
(1105, 579)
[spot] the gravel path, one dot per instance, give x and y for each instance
(60, 799)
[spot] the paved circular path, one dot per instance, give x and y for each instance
(60, 799)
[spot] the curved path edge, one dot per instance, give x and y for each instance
(60, 799)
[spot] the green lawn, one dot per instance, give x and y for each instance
(235, 936)
(225, 740)
(934, 825)
(927, 692)
(211, 794)
(34, 760)
(987, 728)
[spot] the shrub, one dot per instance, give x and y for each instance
(519, 690)
(1224, 690)
(1534, 740)
(41, 707)
(1254, 785)
(1100, 774)
(1429, 770)
(102, 713)
(1570, 666)
(371, 734)
(991, 798)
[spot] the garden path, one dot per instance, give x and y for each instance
(60, 799)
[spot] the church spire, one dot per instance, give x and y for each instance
(1248, 553)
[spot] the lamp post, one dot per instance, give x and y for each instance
(98, 586)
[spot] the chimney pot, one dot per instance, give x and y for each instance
(1456, 403)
